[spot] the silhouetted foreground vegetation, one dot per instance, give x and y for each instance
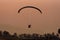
(7, 36)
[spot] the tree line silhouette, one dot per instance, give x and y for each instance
(5, 35)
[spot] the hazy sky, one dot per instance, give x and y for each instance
(48, 21)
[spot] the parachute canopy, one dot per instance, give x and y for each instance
(29, 7)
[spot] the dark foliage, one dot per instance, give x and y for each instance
(7, 36)
(59, 31)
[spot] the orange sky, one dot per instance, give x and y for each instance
(11, 21)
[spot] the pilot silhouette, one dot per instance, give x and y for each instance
(29, 26)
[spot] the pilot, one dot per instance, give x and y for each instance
(29, 26)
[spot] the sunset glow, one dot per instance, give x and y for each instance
(48, 21)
